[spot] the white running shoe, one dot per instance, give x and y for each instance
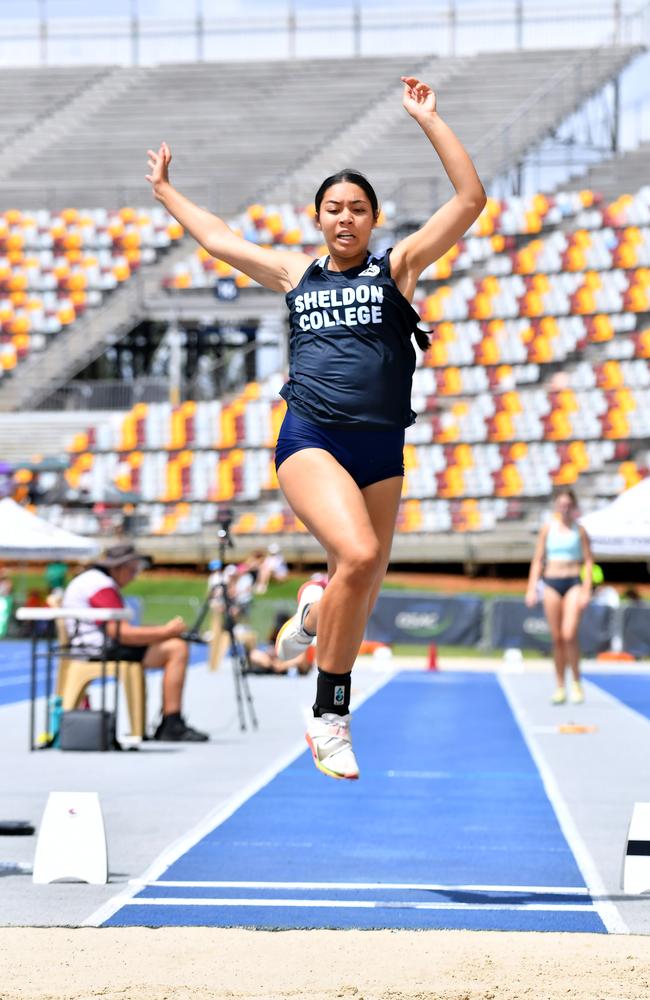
(292, 640)
(330, 743)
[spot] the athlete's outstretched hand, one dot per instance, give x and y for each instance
(159, 167)
(419, 99)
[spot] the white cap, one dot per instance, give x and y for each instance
(274, 548)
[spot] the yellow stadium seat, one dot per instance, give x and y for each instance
(567, 401)
(481, 306)
(503, 427)
(560, 427)
(578, 455)
(533, 222)
(488, 352)
(463, 456)
(438, 354)
(617, 425)
(246, 524)
(541, 283)
(452, 382)
(566, 474)
(511, 481)
(410, 457)
(611, 375)
(601, 328)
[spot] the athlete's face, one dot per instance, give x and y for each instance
(564, 506)
(346, 220)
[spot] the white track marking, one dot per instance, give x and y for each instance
(363, 904)
(365, 886)
(215, 819)
(606, 910)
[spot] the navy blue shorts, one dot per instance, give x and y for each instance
(368, 455)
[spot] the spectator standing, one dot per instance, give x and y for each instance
(562, 551)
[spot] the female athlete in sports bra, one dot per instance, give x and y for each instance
(562, 550)
(339, 452)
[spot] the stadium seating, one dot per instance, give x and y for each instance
(55, 266)
(511, 398)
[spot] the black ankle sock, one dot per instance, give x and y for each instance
(172, 717)
(332, 693)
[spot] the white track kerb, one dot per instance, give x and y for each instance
(215, 819)
(606, 910)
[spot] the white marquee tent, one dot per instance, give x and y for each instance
(622, 528)
(23, 535)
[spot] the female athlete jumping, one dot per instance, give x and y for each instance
(339, 452)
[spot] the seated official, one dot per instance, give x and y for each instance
(264, 660)
(100, 586)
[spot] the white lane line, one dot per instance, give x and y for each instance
(362, 904)
(365, 886)
(606, 910)
(215, 818)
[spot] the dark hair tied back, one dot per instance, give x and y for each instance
(354, 177)
(351, 177)
(422, 339)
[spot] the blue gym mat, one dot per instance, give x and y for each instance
(449, 827)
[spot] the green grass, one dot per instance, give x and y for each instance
(166, 595)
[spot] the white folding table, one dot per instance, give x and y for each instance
(99, 616)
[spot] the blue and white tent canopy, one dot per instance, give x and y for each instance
(25, 536)
(622, 528)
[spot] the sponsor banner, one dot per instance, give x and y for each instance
(421, 619)
(515, 625)
(636, 630)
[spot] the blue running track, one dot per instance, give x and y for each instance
(15, 659)
(632, 690)
(449, 827)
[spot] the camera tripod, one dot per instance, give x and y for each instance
(218, 594)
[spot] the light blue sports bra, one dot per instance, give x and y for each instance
(563, 544)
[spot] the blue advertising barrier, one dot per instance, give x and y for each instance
(636, 630)
(515, 625)
(426, 618)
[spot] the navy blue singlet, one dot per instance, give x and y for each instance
(351, 356)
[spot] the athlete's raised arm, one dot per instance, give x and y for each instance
(279, 270)
(447, 225)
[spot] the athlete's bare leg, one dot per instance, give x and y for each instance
(340, 516)
(553, 612)
(571, 613)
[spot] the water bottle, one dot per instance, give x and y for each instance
(56, 711)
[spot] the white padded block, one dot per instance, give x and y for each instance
(636, 864)
(72, 841)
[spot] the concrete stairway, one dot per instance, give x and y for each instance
(622, 174)
(381, 116)
(224, 139)
(26, 435)
(61, 123)
(87, 338)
